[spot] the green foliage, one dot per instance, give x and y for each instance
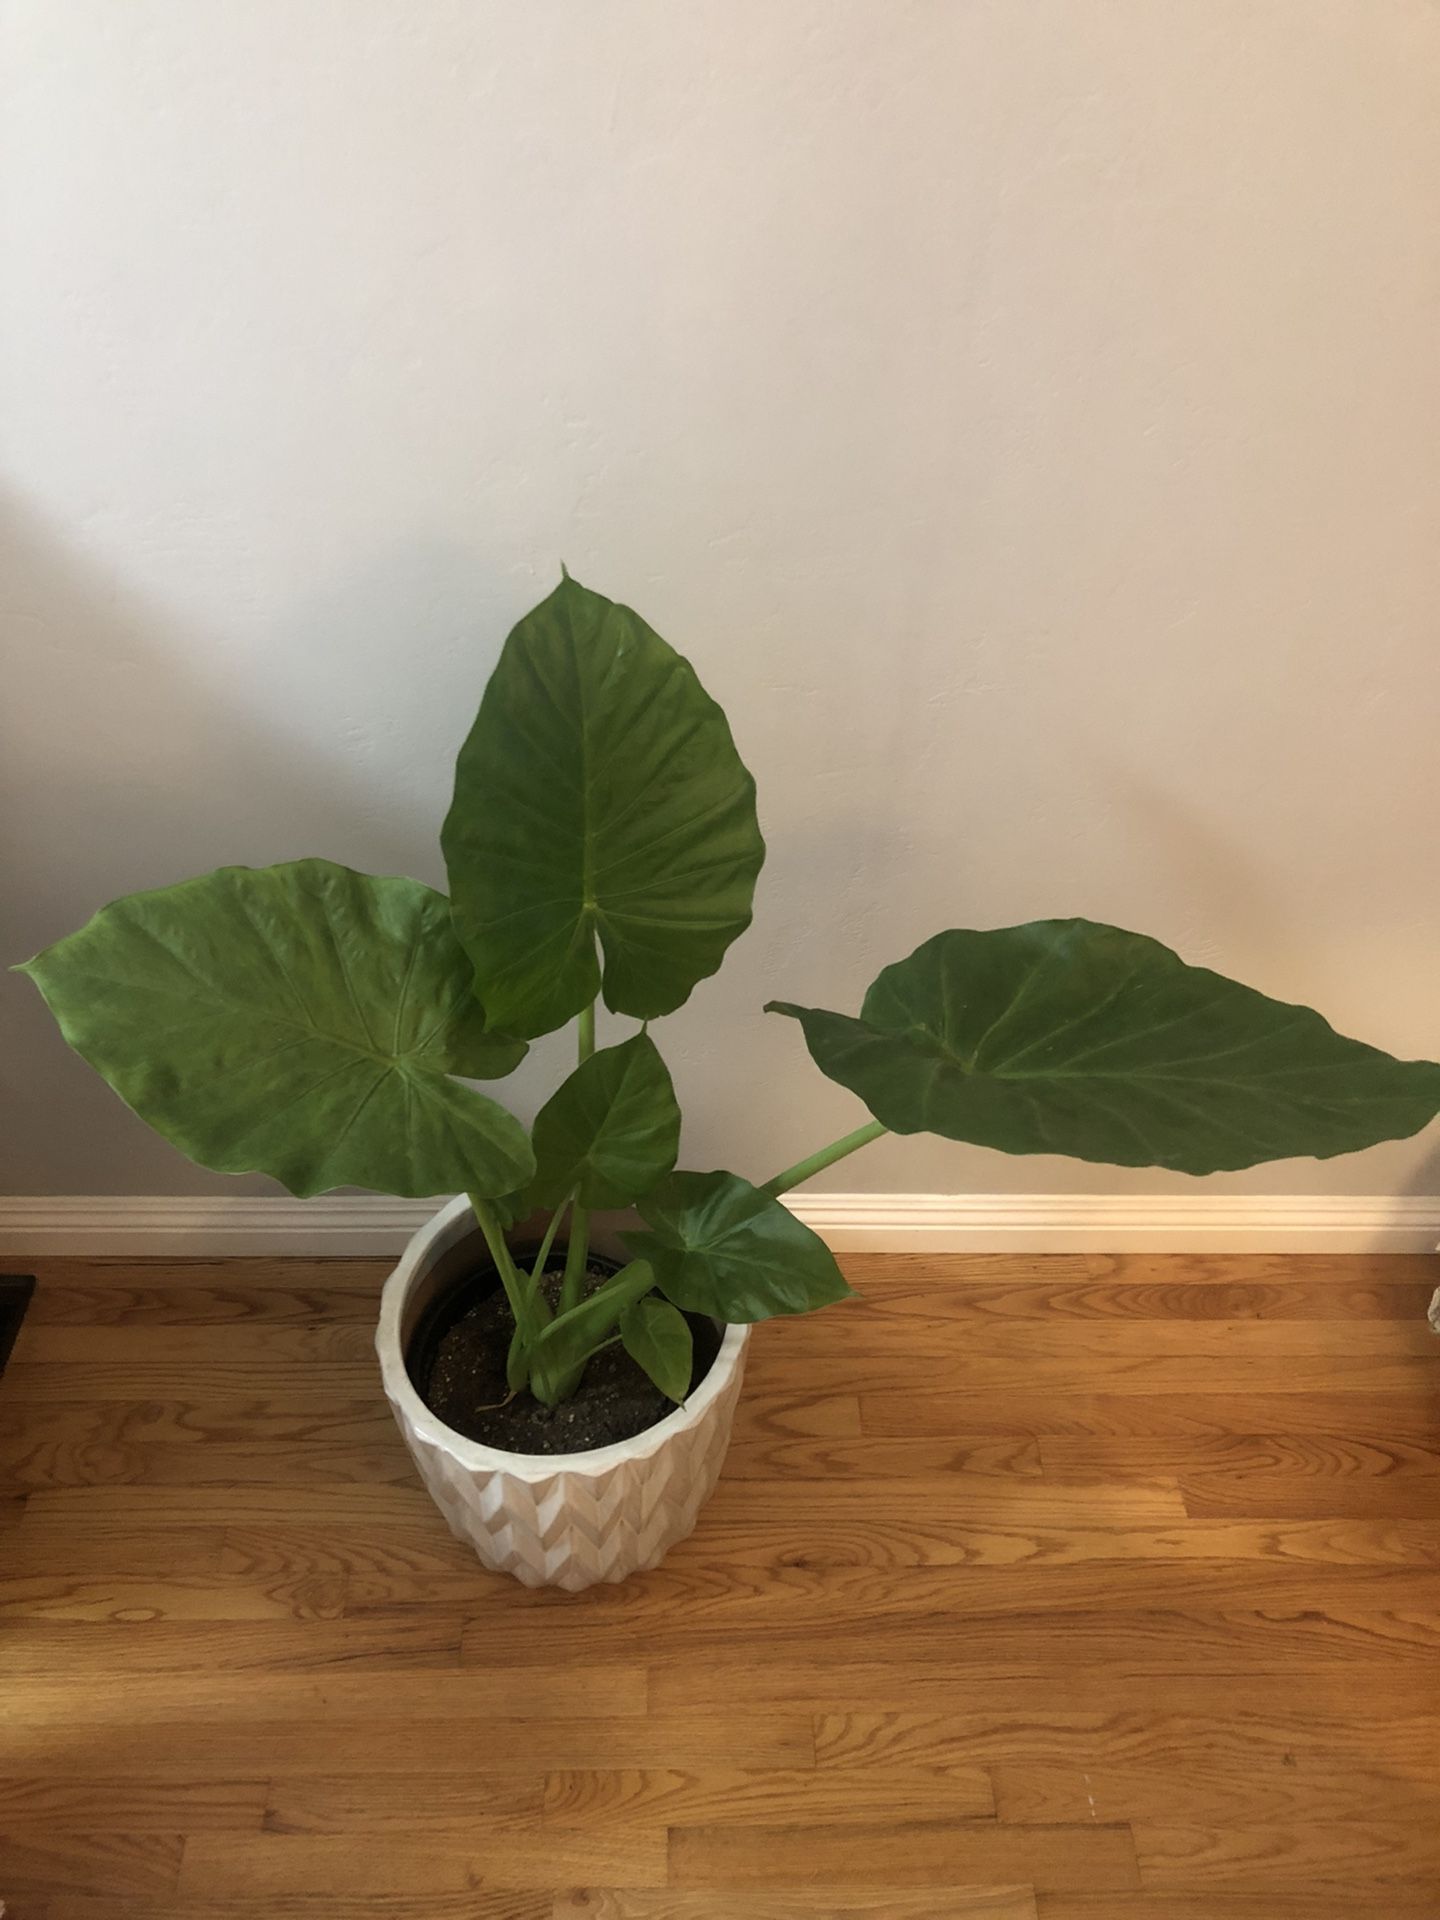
(1068, 1037)
(611, 1132)
(598, 795)
(657, 1337)
(720, 1246)
(322, 1026)
(302, 1021)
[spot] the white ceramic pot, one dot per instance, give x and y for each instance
(553, 1520)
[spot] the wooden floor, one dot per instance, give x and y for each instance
(1078, 1588)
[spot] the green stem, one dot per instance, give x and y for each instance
(529, 1310)
(577, 1254)
(537, 1272)
(804, 1170)
(577, 1258)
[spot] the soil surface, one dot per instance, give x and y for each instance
(462, 1379)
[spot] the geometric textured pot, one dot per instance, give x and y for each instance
(561, 1519)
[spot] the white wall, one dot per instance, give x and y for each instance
(1025, 412)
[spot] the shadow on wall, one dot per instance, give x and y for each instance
(136, 754)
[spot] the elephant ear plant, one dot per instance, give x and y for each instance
(325, 1027)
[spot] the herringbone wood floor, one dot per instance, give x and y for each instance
(1083, 1588)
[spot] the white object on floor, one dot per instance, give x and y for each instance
(554, 1520)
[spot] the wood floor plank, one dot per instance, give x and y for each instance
(789, 1459)
(282, 1346)
(1316, 1903)
(368, 1693)
(83, 1509)
(1298, 1457)
(669, 1798)
(693, 1602)
(926, 1541)
(132, 1600)
(905, 1854)
(38, 1545)
(1265, 1269)
(145, 1377)
(804, 1414)
(1302, 1638)
(349, 1418)
(286, 1551)
(1405, 1366)
(1280, 1476)
(340, 1747)
(1297, 1855)
(1203, 1791)
(81, 1648)
(505, 1856)
(974, 1346)
(827, 1685)
(1411, 1413)
(198, 1297)
(798, 1903)
(129, 1803)
(1096, 1297)
(1278, 1496)
(474, 1905)
(403, 1803)
(268, 1464)
(49, 1864)
(1165, 1731)
(256, 1272)
(975, 1498)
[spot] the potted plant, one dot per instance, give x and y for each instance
(326, 1027)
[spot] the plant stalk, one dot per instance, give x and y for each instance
(804, 1170)
(537, 1271)
(527, 1307)
(577, 1254)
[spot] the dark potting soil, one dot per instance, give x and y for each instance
(462, 1379)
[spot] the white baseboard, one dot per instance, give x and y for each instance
(172, 1225)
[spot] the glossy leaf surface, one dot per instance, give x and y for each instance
(1064, 1036)
(720, 1246)
(611, 1131)
(657, 1338)
(599, 796)
(303, 1021)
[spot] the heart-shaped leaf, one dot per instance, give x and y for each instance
(657, 1338)
(1068, 1037)
(302, 1021)
(611, 1131)
(720, 1246)
(599, 795)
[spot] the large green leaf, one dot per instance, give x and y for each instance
(720, 1246)
(610, 1131)
(599, 795)
(302, 1021)
(1068, 1037)
(657, 1338)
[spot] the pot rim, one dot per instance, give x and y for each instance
(441, 1232)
